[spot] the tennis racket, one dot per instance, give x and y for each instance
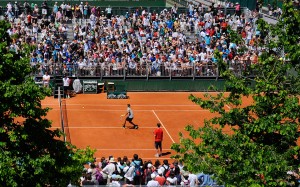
(121, 116)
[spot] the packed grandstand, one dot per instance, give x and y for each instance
(80, 40)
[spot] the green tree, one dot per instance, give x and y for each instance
(31, 154)
(261, 143)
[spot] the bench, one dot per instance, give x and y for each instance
(119, 92)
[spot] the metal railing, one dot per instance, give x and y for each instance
(143, 71)
(123, 10)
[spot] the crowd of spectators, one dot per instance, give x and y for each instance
(274, 11)
(135, 171)
(83, 40)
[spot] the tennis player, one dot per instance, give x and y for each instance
(158, 138)
(129, 117)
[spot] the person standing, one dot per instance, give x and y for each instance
(109, 169)
(46, 79)
(138, 168)
(128, 173)
(129, 117)
(108, 12)
(66, 83)
(44, 9)
(158, 138)
(237, 9)
(17, 9)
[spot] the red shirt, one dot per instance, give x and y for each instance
(160, 179)
(29, 18)
(224, 25)
(158, 133)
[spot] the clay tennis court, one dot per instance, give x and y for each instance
(94, 120)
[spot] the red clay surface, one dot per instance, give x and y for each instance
(95, 121)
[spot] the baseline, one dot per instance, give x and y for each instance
(90, 127)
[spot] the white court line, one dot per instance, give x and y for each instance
(81, 109)
(182, 92)
(100, 127)
(129, 149)
(163, 126)
(82, 104)
(228, 106)
(196, 123)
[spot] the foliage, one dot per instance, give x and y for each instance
(235, 37)
(252, 144)
(31, 154)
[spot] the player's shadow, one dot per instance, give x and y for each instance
(131, 128)
(166, 153)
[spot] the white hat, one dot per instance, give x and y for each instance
(185, 173)
(149, 165)
(112, 159)
(153, 175)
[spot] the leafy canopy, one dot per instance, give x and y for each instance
(261, 144)
(31, 154)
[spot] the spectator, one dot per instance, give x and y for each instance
(115, 180)
(46, 79)
(171, 180)
(160, 178)
(153, 182)
(193, 180)
(148, 172)
(108, 12)
(55, 8)
(108, 170)
(87, 180)
(129, 173)
(44, 9)
(237, 9)
(137, 163)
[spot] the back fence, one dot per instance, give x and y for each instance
(117, 70)
(127, 3)
(120, 8)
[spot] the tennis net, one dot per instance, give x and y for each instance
(63, 116)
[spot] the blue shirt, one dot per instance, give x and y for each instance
(152, 58)
(169, 24)
(207, 40)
